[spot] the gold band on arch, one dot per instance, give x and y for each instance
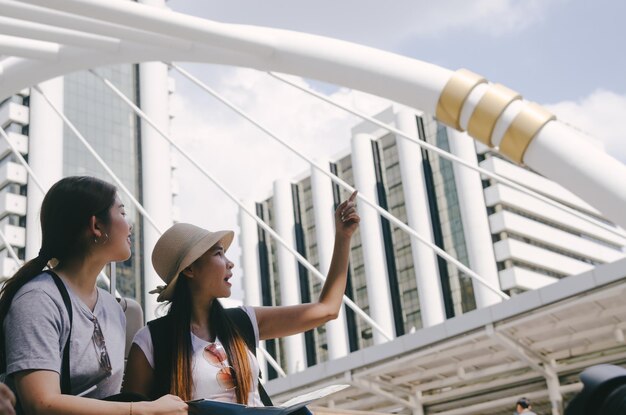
(453, 96)
(491, 105)
(523, 129)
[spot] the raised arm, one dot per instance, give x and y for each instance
(287, 320)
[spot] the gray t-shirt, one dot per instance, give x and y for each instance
(37, 327)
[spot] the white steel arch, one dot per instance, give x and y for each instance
(491, 113)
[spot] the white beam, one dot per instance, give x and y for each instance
(377, 390)
(36, 31)
(27, 48)
(162, 20)
(484, 406)
(27, 12)
(408, 81)
(522, 353)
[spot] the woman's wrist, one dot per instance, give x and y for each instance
(141, 408)
(342, 237)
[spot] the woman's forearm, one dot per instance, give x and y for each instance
(70, 405)
(335, 284)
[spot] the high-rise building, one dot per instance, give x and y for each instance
(133, 151)
(512, 240)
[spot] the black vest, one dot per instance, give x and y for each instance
(163, 344)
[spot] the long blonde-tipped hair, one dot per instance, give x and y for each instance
(181, 380)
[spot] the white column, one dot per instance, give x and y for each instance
(378, 292)
(248, 241)
(419, 218)
(475, 221)
(156, 165)
(288, 269)
(45, 156)
(323, 210)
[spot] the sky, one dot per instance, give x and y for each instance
(568, 55)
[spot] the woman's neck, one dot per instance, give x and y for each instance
(201, 317)
(81, 276)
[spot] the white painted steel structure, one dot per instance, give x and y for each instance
(47, 38)
(414, 83)
(482, 361)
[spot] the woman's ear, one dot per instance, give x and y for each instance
(188, 272)
(95, 230)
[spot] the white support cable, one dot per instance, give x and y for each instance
(116, 179)
(9, 248)
(346, 186)
(261, 223)
(33, 176)
(272, 361)
(451, 157)
(21, 159)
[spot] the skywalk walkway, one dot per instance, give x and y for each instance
(533, 345)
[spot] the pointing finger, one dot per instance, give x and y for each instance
(353, 196)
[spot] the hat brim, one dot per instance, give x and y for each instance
(203, 245)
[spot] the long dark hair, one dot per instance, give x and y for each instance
(65, 213)
(181, 380)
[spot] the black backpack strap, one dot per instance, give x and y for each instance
(66, 384)
(241, 320)
(161, 331)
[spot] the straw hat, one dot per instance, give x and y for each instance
(178, 248)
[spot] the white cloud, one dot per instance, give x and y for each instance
(493, 17)
(600, 115)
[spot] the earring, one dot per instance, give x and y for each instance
(97, 242)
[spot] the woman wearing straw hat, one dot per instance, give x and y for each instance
(199, 349)
(62, 338)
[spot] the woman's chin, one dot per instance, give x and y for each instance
(122, 256)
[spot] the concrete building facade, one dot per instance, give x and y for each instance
(513, 241)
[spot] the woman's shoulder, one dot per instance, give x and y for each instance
(143, 335)
(41, 285)
(38, 300)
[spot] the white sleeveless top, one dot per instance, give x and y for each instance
(204, 374)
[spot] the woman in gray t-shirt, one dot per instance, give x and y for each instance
(83, 228)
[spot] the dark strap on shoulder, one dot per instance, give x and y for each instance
(163, 345)
(244, 326)
(66, 384)
(241, 320)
